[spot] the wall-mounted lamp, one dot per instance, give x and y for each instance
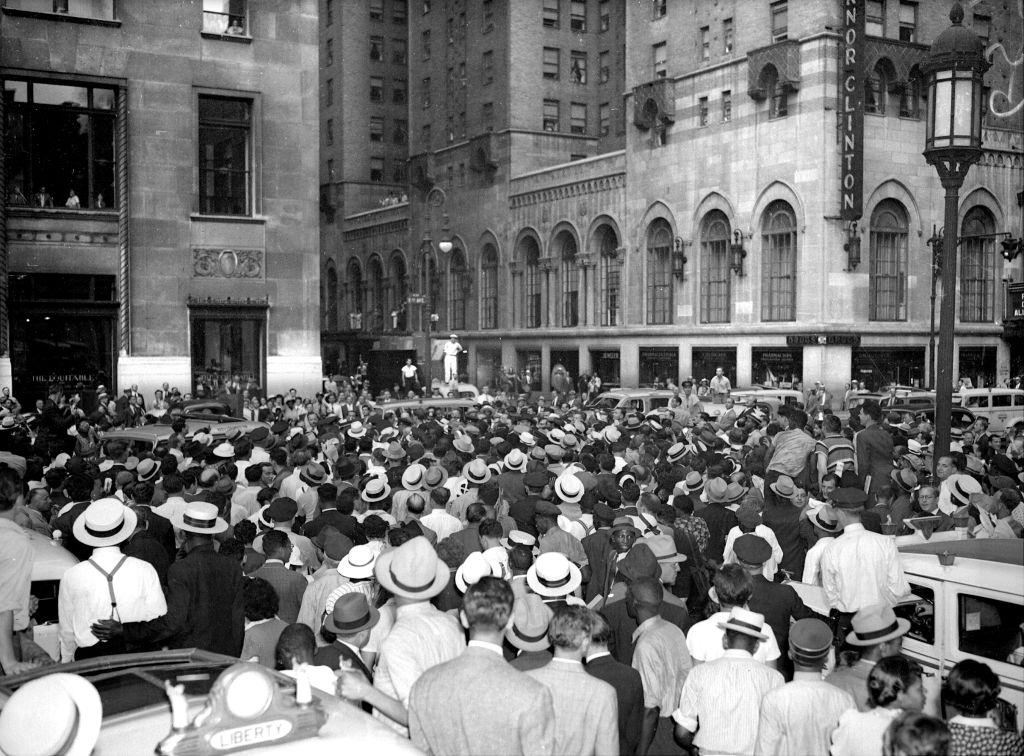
(1011, 248)
(445, 246)
(738, 253)
(679, 258)
(852, 247)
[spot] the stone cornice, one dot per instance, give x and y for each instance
(609, 183)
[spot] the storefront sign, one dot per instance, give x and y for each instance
(851, 111)
(1015, 302)
(831, 339)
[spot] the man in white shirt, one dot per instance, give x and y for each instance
(109, 585)
(452, 349)
(720, 386)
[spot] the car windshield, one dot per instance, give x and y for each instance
(606, 402)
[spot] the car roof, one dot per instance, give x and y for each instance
(51, 559)
(636, 392)
(1002, 550)
(991, 563)
(427, 403)
(150, 433)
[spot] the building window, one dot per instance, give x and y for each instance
(487, 64)
(715, 289)
(660, 56)
(780, 21)
(374, 294)
(376, 128)
(875, 91)
(908, 22)
(888, 274)
(399, 12)
(230, 338)
(489, 287)
(328, 12)
(329, 52)
(977, 267)
(425, 94)
(874, 18)
(330, 169)
(660, 8)
(702, 111)
(398, 172)
(332, 299)
(425, 44)
(550, 115)
(460, 285)
(488, 14)
(487, 116)
(604, 69)
(450, 176)
(551, 62)
(578, 67)
(399, 91)
(401, 133)
(605, 16)
(376, 169)
(910, 96)
(982, 26)
(329, 127)
(728, 36)
(550, 14)
(398, 290)
(451, 134)
(329, 92)
(59, 140)
(776, 91)
(532, 284)
(610, 276)
(659, 273)
(376, 89)
(376, 48)
(376, 10)
(705, 43)
(398, 51)
(726, 106)
(604, 118)
(578, 118)
(353, 288)
(568, 272)
(778, 265)
(225, 155)
(578, 15)
(219, 16)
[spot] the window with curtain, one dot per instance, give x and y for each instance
(977, 267)
(778, 262)
(715, 293)
(332, 298)
(569, 273)
(659, 273)
(610, 274)
(888, 268)
(458, 277)
(489, 287)
(398, 291)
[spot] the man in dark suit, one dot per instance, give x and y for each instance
(601, 552)
(629, 689)
(776, 601)
(288, 584)
(350, 622)
(469, 537)
(719, 519)
(874, 449)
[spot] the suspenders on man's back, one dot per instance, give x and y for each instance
(114, 613)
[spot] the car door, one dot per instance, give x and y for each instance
(924, 642)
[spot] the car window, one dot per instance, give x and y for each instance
(976, 401)
(920, 614)
(1018, 400)
(988, 627)
(46, 592)
(632, 404)
(659, 402)
(1000, 400)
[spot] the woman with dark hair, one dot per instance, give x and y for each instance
(894, 686)
(262, 625)
(915, 734)
(972, 688)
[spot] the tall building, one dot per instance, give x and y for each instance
(710, 226)
(159, 217)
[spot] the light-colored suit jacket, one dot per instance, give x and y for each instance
(586, 710)
(478, 704)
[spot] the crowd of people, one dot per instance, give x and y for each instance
(526, 578)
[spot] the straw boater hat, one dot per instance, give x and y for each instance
(356, 430)
(463, 443)
(224, 450)
(519, 538)
(961, 487)
(351, 614)
(412, 571)
(676, 452)
(147, 470)
(413, 477)
(876, 624)
(515, 461)
(784, 487)
(824, 518)
(376, 489)
(715, 491)
(435, 477)
(553, 575)
(358, 563)
(58, 713)
(199, 517)
(569, 488)
(529, 628)
(693, 482)
(105, 522)
(476, 472)
(745, 621)
(474, 567)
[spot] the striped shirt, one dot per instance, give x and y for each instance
(723, 699)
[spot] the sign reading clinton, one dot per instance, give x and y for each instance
(851, 111)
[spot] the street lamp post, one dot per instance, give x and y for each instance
(935, 242)
(954, 70)
(428, 318)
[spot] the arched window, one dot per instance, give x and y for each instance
(375, 292)
(398, 291)
(888, 274)
(532, 283)
(776, 91)
(332, 298)
(875, 86)
(659, 272)
(715, 284)
(977, 266)
(569, 274)
(910, 95)
(354, 290)
(778, 265)
(609, 269)
(489, 287)
(458, 277)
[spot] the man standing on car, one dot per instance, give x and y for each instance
(720, 386)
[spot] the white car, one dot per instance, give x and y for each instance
(1002, 407)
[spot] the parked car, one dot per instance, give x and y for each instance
(773, 397)
(398, 406)
(1003, 407)
(631, 400)
(961, 418)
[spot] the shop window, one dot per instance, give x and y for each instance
(219, 16)
(977, 266)
(225, 155)
(659, 273)
(888, 266)
(988, 627)
(778, 265)
(658, 365)
(715, 285)
(60, 145)
(227, 344)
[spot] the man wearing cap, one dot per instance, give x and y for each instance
(476, 703)
(877, 632)
(107, 585)
(523, 510)
(629, 689)
(601, 553)
(205, 602)
(721, 701)
(799, 717)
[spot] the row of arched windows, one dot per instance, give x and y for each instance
(559, 291)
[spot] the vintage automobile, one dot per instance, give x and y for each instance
(1002, 407)
(631, 400)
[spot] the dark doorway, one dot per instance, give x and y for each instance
(606, 364)
(569, 362)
